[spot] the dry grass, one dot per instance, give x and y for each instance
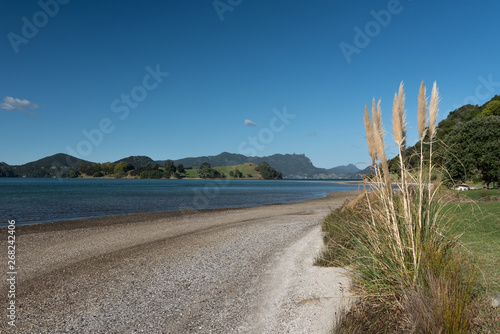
(401, 255)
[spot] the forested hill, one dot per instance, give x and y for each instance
(56, 165)
(463, 164)
(295, 166)
(137, 161)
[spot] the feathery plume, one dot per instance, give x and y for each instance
(396, 122)
(402, 113)
(369, 136)
(399, 118)
(379, 143)
(422, 111)
(377, 121)
(433, 111)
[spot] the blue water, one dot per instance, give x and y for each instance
(40, 200)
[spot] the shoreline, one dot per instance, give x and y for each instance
(128, 217)
(189, 272)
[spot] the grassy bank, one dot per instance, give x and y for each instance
(247, 171)
(479, 230)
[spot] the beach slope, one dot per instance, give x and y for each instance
(246, 270)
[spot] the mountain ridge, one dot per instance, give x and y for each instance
(293, 166)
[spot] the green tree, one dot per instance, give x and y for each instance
(473, 150)
(152, 174)
(108, 168)
(180, 169)
(169, 168)
(267, 172)
(205, 171)
(73, 174)
(122, 168)
(491, 109)
(238, 174)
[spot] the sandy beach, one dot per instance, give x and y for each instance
(243, 270)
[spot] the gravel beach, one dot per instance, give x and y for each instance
(243, 270)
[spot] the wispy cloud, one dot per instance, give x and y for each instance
(312, 134)
(10, 103)
(250, 123)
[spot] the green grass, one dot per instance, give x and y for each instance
(480, 195)
(246, 169)
(191, 173)
(479, 226)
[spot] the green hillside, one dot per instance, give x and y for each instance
(57, 165)
(247, 171)
(465, 158)
(138, 161)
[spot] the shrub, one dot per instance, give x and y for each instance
(73, 174)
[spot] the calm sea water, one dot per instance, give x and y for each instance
(40, 200)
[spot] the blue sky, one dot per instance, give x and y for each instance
(103, 80)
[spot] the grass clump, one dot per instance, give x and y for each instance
(479, 231)
(482, 195)
(411, 272)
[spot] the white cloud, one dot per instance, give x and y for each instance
(10, 103)
(250, 123)
(312, 134)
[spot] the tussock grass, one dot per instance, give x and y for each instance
(411, 271)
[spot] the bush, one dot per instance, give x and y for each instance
(267, 172)
(152, 174)
(73, 174)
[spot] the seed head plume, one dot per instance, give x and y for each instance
(369, 136)
(396, 123)
(422, 111)
(402, 113)
(433, 111)
(399, 118)
(379, 143)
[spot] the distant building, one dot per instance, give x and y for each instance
(461, 187)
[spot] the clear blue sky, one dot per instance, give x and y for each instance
(228, 69)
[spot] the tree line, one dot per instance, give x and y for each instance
(467, 146)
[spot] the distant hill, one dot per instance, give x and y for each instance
(138, 161)
(223, 159)
(349, 169)
(294, 166)
(6, 170)
(57, 165)
(57, 160)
